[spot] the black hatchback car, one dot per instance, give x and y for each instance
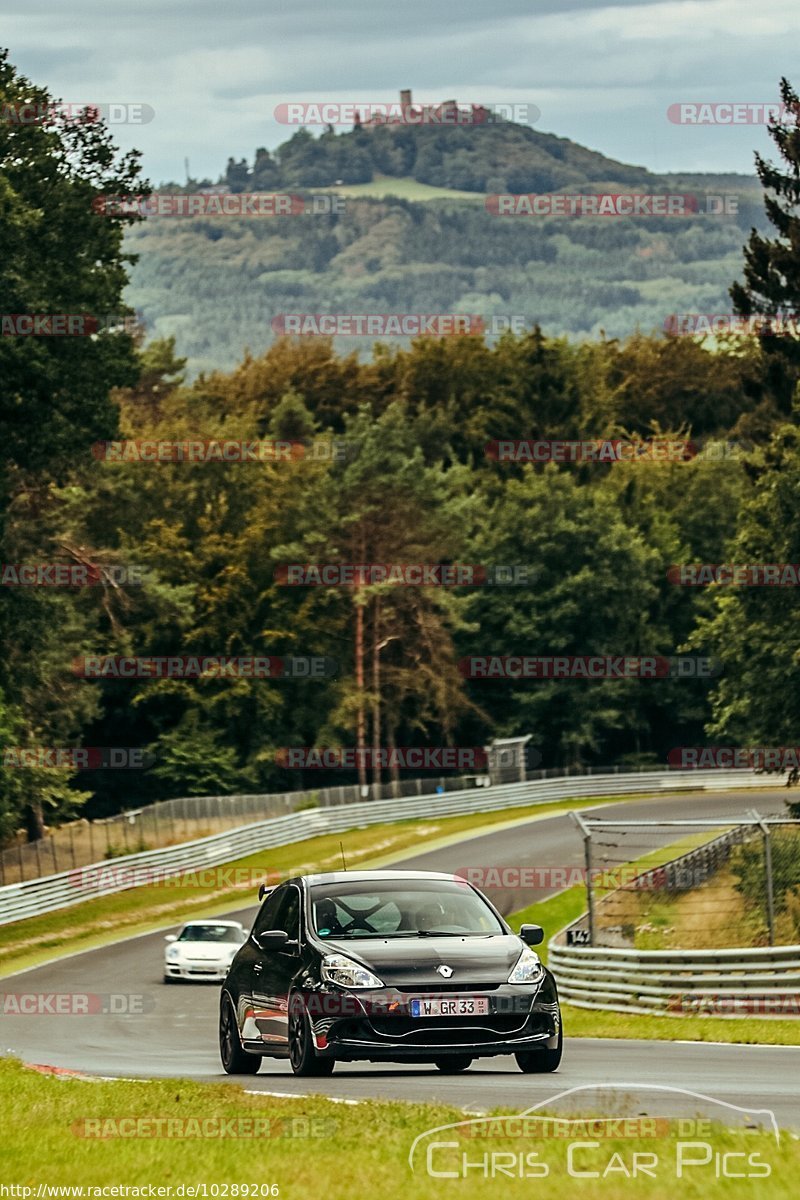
(386, 966)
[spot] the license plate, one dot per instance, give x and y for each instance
(458, 1006)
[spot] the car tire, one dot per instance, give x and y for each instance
(303, 1057)
(235, 1060)
(453, 1065)
(539, 1062)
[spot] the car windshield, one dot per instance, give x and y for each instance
(406, 908)
(212, 933)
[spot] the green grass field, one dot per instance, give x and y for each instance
(404, 187)
(68, 1132)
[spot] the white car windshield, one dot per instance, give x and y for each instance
(212, 933)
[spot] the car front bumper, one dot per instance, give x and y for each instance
(379, 1027)
(213, 972)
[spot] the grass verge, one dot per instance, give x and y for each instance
(67, 1134)
(405, 187)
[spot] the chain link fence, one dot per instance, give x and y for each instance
(739, 888)
(171, 822)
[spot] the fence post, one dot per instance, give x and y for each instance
(770, 893)
(587, 854)
(764, 827)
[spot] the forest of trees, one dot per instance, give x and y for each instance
(218, 284)
(416, 486)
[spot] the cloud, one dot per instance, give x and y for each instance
(602, 74)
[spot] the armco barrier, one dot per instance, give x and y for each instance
(730, 982)
(35, 896)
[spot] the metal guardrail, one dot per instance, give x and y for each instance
(36, 896)
(746, 981)
(183, 819)
(690, 869)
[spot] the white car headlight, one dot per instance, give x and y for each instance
(173, 954)
(528, 969)
(337, 968)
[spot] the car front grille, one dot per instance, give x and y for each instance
(441, 1031)
(435, 988)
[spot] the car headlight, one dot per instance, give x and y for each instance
(337, 968)
(173, 954)
(528, 969)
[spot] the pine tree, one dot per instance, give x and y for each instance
(771, 284)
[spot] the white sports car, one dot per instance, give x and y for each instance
(202, 950)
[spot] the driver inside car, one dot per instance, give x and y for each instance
(326, 919)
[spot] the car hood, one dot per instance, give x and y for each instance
(411, 962)
(207, 953)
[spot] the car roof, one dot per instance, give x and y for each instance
(210, 921)
(376, 876)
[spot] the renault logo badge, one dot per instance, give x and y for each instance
(445, 971)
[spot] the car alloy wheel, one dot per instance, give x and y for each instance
(235, 1060)
(303, 1056)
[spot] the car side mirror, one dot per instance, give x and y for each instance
(171, 937)
(271, 939)
(532, 935)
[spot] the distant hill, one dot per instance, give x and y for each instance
(498, 157)
(414, 236)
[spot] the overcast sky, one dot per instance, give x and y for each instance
(601, 74)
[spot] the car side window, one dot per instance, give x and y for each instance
(269, 912)
(288, 918)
